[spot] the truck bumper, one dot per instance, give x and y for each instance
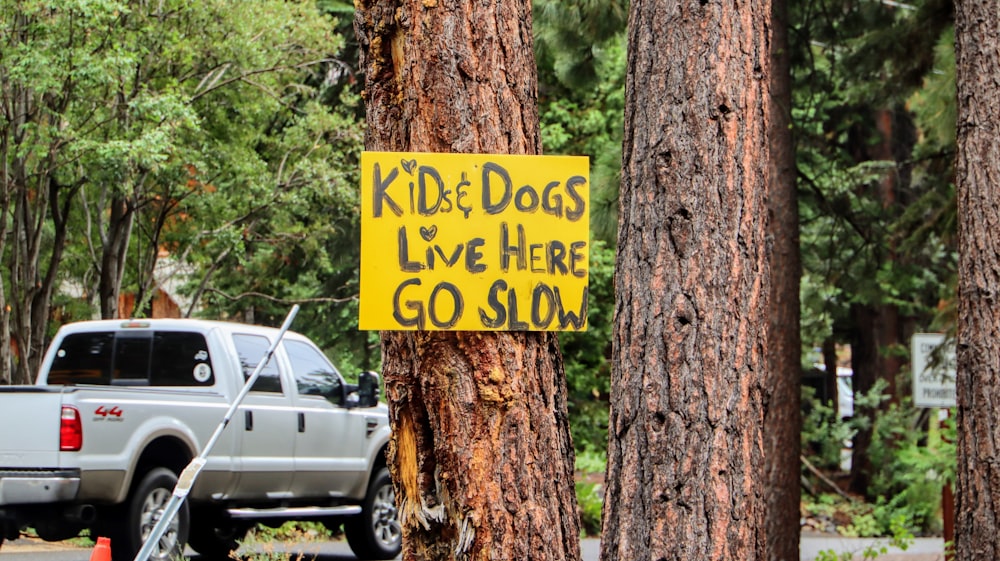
(38, 486)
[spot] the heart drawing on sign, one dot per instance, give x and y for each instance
(409, 165)
(428, 233)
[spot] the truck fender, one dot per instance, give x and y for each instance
(150, 431)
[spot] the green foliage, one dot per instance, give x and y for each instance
(877, 221)
(592, 462)
(911, 465)
(590, 502)
(570, 38)
(230, 142)
(824, 433)
(591, 465)
(581, 69)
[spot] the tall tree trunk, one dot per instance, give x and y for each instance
(880, 325)
(7, 187)
(831, 383)
(685, 455)
(977, 25)
(114, 251)
(481, 454)
(36, 260)
(783, 415)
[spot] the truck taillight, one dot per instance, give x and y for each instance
(70, 430)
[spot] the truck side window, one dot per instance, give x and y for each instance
(83, 358)
(180, 359)
(251, 348)
(314, 375)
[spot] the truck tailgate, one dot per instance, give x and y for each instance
(30, 417)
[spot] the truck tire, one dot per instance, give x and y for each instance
(376, 533)
(213, 536)
(142, 510)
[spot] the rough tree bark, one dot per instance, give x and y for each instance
(977, 25)
(783, 414)
(481, 454)
(685, 456)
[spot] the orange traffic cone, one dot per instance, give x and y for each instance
(102, 551)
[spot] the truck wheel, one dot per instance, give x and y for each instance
(215, 538)
(143, 509)
(376, 533)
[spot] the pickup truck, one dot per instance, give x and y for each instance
(120, 407)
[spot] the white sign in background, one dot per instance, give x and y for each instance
(933, 376)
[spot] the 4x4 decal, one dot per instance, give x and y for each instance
(102, 412)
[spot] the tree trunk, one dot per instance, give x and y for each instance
(35, 264)
(977, 538)
(481, 454)
(114, 252)
(686, 478)
(783, 415)
(6, 189)
(831, 383)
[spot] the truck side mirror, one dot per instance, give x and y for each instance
(368, 389)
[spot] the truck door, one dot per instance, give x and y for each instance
(267, 423)
(329, 443)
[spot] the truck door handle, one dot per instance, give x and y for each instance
(248, 420)
(302, 422)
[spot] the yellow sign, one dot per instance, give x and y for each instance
(474, 242)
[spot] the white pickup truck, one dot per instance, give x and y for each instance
(121, 407)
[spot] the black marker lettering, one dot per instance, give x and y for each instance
(557, 256)
(404, 254)
(422, 207)
(536, 256)
(473, 255)
(454, 255)
(506, 249)
(457, 305)
(397, 312)
(569, 317)
(380, 194)
(552, 204)
(489, 168)
(541, 291)
(494, 301)
(514, 324)
(581, 207)
(576, 256)
(531, 205)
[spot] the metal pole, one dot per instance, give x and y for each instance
(190, 473)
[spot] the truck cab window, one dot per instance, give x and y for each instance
(251, 349)
(314, 375)
(83, 358)
(132, 353)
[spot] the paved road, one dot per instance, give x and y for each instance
(923, 549)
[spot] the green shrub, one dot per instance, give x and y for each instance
(590, 501)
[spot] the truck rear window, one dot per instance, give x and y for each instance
(164, 358)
